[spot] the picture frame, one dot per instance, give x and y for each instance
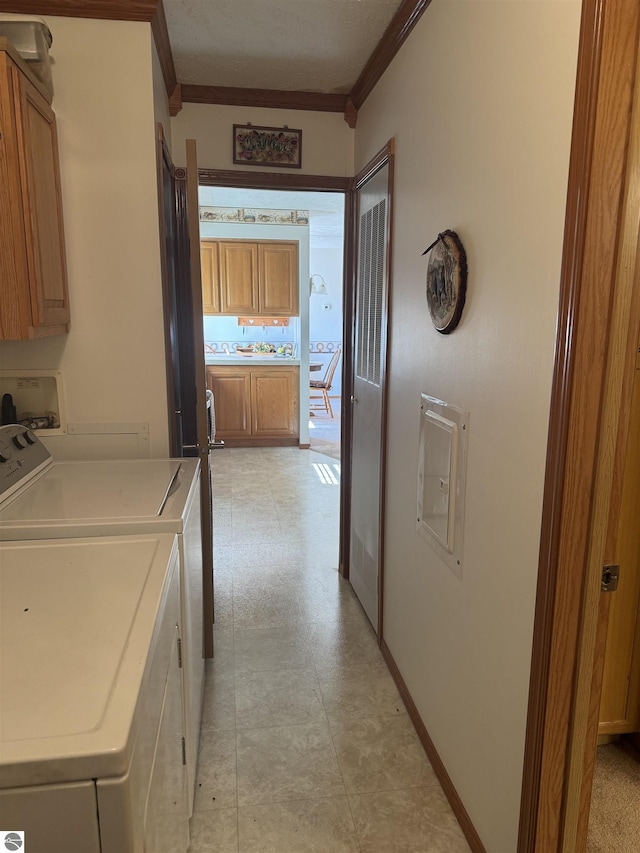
(254, 145)
(446, 282)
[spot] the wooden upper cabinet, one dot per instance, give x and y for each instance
(209, 265)
(239, 278)
(34, 299)
(250, 278)
(278, 278)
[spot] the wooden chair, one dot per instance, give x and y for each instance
(324, 385)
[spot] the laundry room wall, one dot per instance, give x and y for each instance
(112, 360)
(327, 140)
(480, 102)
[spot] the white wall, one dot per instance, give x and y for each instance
(113, 358)
(480, 102)
(327, 141)
(325, 324)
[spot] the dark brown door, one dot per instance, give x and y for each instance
(202, 447)
(186, 380)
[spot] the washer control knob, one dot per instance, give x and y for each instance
(29, 437)
(20, 441)
(3, 458)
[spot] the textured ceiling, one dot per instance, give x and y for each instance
(305, 45)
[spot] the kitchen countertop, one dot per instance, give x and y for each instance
(248, 360)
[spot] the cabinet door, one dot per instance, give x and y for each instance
(42, 210)
(210, 277)
(239, 278)
(278, 277)
(232, 395)
(33, 277)
(274, 402)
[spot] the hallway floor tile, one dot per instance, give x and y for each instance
(306, 746)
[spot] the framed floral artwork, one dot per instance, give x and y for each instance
(267, 146)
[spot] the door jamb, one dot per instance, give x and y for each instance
(571, 514)
(163, 159)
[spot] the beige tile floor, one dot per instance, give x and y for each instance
(306, 746)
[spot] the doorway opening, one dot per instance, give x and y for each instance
(308, 333)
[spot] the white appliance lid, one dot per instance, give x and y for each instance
(78, 491)
(76, 624)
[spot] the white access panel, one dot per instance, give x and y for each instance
(442, 455)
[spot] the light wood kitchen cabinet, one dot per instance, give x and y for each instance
(255, 405)
(232, 395)
(239, 278)
(210, 267)
(34, 300)
(251, 278)
(278, 279)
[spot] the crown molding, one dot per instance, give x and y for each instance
(163, 46)
(113, 10)
(272, 98)
(402, 23)
(151, 11)
(394, 37)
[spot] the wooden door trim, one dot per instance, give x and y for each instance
(268, 181)
(348, 345)
(201, 385)
(606, 67)
(615, 421)
(244, 179)
(163, 158)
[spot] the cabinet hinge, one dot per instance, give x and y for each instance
(610, 578)
(184, 751)
(179, 653)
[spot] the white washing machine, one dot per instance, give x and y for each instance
(44, 499)
(90, 695)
